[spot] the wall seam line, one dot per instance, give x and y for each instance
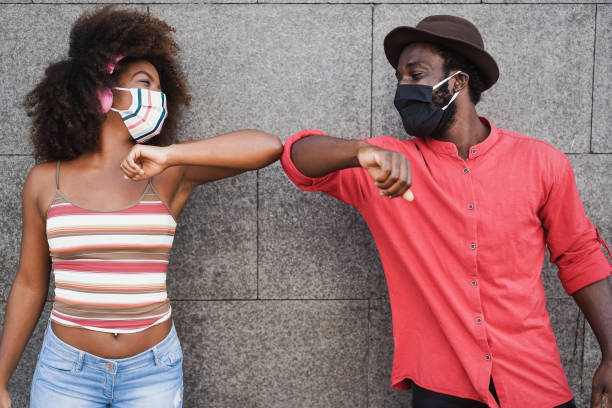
(265, 300)
(593, 81)
(257, 234)
(368, 357)
(372, 71)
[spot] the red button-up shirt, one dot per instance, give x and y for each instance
(463, 261)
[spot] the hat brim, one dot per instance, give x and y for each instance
(400, 37)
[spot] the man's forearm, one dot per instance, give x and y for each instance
(595, 301)
(317, 156)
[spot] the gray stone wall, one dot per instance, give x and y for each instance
(279, 296)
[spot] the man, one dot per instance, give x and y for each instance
(461, 215)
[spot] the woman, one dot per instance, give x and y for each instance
(101, 210)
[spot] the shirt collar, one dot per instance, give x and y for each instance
(481, 148)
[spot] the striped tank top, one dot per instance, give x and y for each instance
(110, 265)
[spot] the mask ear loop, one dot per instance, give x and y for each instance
(451, 101)
(454, 95)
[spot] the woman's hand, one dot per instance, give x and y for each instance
(5, 398)
(144, 161)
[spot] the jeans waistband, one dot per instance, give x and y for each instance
(66, 351)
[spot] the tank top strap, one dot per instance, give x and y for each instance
(57, 168)
(152, 194)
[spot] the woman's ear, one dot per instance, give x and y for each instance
(106, 99)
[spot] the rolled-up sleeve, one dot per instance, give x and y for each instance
(347, 185)
(574, 243)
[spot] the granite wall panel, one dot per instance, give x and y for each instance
(278, 68)
(602, 99)
(313, 246)
(274, 353)
(278, 294)
(215, 250)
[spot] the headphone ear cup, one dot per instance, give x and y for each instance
(106, 99)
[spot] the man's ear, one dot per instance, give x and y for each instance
(461, 82)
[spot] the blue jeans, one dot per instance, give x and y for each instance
(68, 377)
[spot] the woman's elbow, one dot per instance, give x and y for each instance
(272, 146)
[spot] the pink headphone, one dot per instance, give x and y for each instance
(106, 95)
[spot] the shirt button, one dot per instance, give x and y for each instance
(473, 151)
(470, 206)
(473, 246)
(465, 170)
(479, 320)
(473, 283)
(487, 357)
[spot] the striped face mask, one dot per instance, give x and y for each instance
(145, 116)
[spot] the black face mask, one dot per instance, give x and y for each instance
(419, 114)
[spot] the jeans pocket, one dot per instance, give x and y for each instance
(54, 361)
(172, 358)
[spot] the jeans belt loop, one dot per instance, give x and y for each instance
(155, 355)
(79, 362)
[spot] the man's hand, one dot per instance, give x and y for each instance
(144, 161)
(390, 170)
(602, 386)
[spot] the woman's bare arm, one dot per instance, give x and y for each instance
(29, 291)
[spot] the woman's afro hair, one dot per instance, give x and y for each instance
(66, 111)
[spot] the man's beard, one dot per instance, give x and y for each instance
(441, 97)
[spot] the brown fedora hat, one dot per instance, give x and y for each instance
(452, 32)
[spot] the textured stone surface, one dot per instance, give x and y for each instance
(282, 68)
(31, 37)
(19, 385)
(595, 189)
(380, 360)
(602, 99)
(14, 170)
(363, 1)
(215, 250)
(274, 353)
(313, 246)
(567, 323)
(279, 68)
(531, 44)
(543, 1)
(148, 2)
(261, 66)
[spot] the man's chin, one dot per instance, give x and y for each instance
(445, 124)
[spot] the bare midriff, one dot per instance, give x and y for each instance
(107, 345)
